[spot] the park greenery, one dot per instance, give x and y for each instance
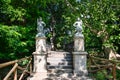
(18, 19)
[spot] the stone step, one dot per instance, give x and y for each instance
(59, 67)
(55, 59)
(58, 52)
(68, 77)
(59, 55)
(59, 59)
(59, 63)
(37, 76)
(58, 75)
(62, 70)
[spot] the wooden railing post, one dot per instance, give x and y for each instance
(30, 68)
(25, 70)
(11, 71)
(15, 74)
(114, 71)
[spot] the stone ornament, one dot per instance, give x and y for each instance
(40, 28)
(78, 28)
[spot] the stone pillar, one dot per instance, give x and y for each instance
(39, 67)
(79, 63)
(40, 55)
(79, 56)
(39, 63)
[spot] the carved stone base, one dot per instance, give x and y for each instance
(39, 63)
(38, 76)
(79, 63)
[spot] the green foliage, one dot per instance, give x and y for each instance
(14, 43)
(101, 20)
(24, 62)
(10, 12)
(102, 75)
(118, 74)
(18, 24)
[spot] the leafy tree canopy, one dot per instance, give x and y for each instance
(101, 22)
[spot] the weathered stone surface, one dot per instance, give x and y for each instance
(59, 65)
(78, 44)
(37, 76)
(79, 60)
(59, 60)
(39, 63)
(39, 55)
(41, 45)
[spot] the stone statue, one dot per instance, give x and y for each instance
(40, 27)
(78, 27)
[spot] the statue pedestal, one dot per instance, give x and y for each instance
(39, 71)
(39, 63)
(39, 68)
(40, 44)
(79, 43)
(79, 56)
(79, 61)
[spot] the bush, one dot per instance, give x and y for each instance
(15, 41)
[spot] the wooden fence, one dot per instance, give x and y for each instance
(96, 64)
(15, 63)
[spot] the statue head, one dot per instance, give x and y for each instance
(39, 19)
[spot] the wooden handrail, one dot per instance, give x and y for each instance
(11, 71)
(25, 70)
(99, 69)
(12, 62)
(97, 65)
(113, 66)
(22, 69)
(8, 63)
(93, 66)
(112, 61)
